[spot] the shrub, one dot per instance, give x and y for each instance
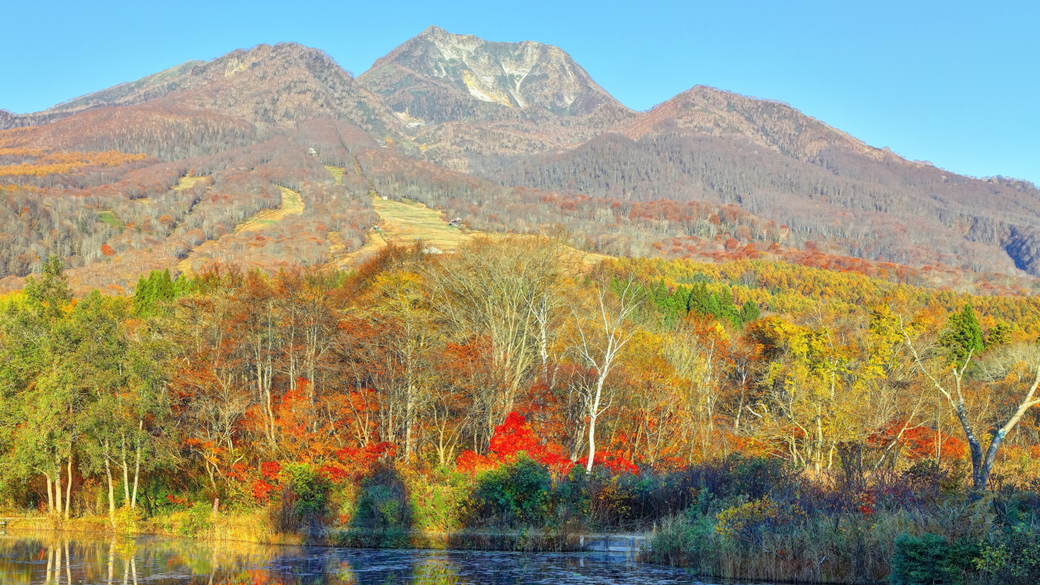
(687, 540)
(383, 513)
(747, 523)
(197, 520)
(742, 475)
(435, 499)
(1013, 559)
(930, 559)
(516, 494)
(126, 520)
(303, 504)
(572, 500)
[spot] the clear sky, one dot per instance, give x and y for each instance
(951, 82)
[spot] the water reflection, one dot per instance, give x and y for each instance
(45, 559)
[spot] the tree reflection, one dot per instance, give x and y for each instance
(55, 559)
(438, 571)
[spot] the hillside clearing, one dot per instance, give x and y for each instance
(292, 204)
(337, 173)
(404, 222)
(188, 181)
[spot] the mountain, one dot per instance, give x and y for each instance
(224, 103)
(276, 155)
(775, 162)
(124, 94)
(464, 97)
(441, 76)
(214, 161)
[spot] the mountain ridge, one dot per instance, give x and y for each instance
(526, 116)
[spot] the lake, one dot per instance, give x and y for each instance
(50, 559)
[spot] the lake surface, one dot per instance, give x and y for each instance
(47, 559)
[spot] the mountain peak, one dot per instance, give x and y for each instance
(465, 72)
(432, 30)
(770, 123)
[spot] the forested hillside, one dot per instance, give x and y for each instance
(777, 163)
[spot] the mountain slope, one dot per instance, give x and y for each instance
(510, 137)
(239, 96)
(776, 162)
(225, 139)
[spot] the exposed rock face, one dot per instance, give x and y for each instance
(465, 97)
(1023, 245)
(10, 120)
(465, 72)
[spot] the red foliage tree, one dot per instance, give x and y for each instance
(511, 438)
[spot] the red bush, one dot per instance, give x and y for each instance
(262, 490)
(512, 437)
(270, 469)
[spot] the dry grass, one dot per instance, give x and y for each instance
(188, 182)
(292, 204)
(404, 222)
(407, 221)
(337, 173)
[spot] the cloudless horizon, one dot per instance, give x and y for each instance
(953, 83)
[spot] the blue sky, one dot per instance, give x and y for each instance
(955, 83)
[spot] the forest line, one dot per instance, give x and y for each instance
(448, 375)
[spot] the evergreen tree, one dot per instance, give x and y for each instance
(700, 300)
(729, 310)
(963, 336)
(143, 294)
(50, 293)
(166, 290)
(156, 287)
(749, 312)
(998, 335)
(681, 301)
(714, 306)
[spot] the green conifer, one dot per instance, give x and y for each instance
(749, 312)
(999, 334)
(51, 291)
(963, 336)
(699, 299)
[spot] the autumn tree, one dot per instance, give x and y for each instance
(501, 291)
(947, 369)
(40, 389)
(698, 349)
